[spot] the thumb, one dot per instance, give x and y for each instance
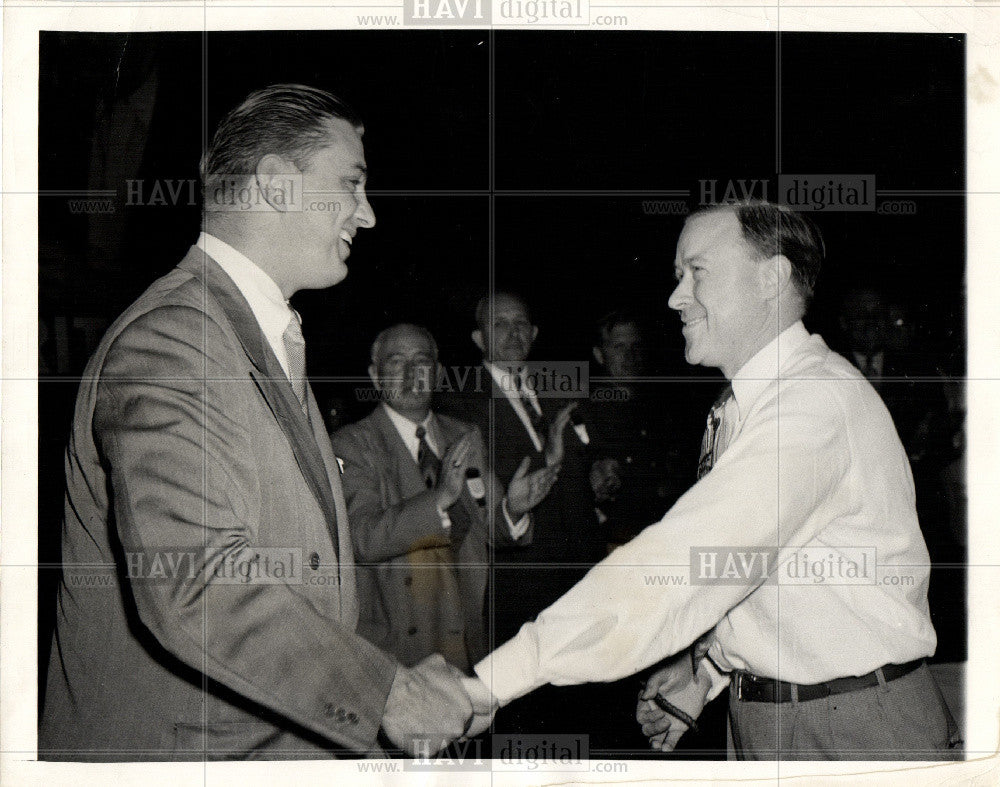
(522, 469)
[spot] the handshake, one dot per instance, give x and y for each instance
(432, 704)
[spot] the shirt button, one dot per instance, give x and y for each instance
(314, 561)
(412, 630)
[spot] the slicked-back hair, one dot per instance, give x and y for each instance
(772, 229)
(483, 306)
(287, 120)
(376, 349)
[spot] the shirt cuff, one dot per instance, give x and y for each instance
(720, 679)
(519, 528)
(445, 520)
(511, 671)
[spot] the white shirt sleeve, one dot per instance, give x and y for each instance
(764, 492)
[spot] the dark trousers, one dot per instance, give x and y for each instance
(904, 719)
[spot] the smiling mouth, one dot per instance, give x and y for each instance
(346, 237)
(689, 323)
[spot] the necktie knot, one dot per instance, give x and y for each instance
(421, 432)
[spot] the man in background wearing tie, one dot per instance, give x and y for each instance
(201, 484)
(519, 422)
(800, 461)
(421, 533)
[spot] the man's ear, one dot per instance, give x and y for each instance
(598, 355)
(479, 341)
(274, 182)
(373, 374)
(775, 276)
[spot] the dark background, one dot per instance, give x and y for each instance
(521, 158)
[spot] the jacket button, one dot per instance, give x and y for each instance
(408, 581)
(333, 711)
(314, 561)
(412, 631)
(352, 717)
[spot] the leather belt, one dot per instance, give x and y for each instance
(751, 688)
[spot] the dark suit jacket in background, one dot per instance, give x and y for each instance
(189, 445)
(420, 591)
(566, 540)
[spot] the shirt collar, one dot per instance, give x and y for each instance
(757, 373)
(408, 429)
(504, 379)
(261, 292)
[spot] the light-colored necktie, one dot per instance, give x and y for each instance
(295, 350)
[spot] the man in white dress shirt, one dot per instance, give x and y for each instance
(801, 464)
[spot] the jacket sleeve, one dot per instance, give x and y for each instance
(169, 422)
(382, 531)
(498, 524)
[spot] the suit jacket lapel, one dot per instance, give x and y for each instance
(506, 414)
(349, 607)
(271, 381)
(406, 470)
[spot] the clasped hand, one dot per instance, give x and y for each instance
(432, 704)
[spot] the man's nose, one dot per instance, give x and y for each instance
(364, 214)
(681, 296)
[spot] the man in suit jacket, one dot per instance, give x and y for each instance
(203, 491)
(519, 422)
(420, 538)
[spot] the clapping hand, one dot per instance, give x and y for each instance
(428, 707)
(554, 446)
(678, 689)
(525, 491)
(452, 478)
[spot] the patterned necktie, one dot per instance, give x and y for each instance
(710, 448)
(295, 350)
(430, 465)
(710, 451)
